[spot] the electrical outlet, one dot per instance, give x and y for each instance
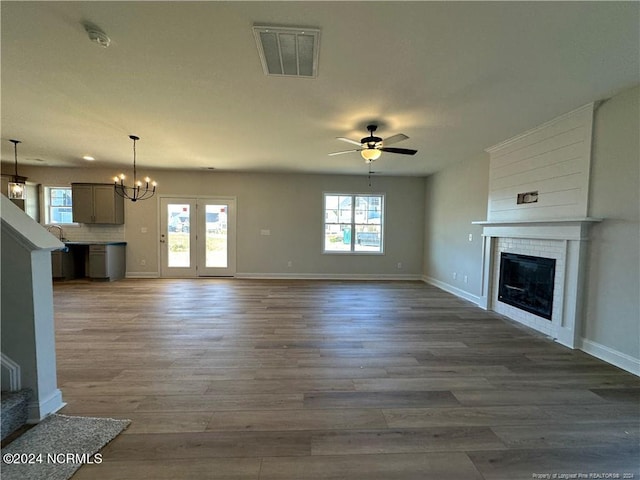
(471, 237)
(289, 263)
(455, 275)
(143, 230)
(466, 279)
(399, 265)
(143, 262)
(265, 232)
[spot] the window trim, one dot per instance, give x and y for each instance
(353, 195)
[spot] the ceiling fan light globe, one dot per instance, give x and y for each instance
(370, 154)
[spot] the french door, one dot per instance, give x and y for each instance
(197, 236)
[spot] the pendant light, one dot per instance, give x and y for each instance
(138, 190)
(18, 187)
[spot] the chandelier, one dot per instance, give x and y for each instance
(138, 190)
(18, 187)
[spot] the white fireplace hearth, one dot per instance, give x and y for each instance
(566, 241)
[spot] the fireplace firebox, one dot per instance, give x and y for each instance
(527, 283)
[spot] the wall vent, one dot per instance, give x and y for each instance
(288, 51)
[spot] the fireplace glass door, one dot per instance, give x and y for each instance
(527, 283)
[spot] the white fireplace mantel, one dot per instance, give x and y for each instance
(552, 229)
(572, 233)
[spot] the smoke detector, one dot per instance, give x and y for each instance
(97, 35)
(288, 51)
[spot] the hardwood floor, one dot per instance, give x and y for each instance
(248, 379)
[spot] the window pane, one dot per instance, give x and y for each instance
(331, 201)
(369, 209)
(61, 215)
(331, 216)
(60, 197)
(337, 238)
(344, 212)
(368, 238)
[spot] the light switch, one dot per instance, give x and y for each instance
(265, 232)
(471, 237)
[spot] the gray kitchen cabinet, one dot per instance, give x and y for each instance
(62, 265)
(107, 262)
(97, 203)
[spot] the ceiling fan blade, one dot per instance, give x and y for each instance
(345, 151)
(348, 140)
(403, 151)
(394, 139)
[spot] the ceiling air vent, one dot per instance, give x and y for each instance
(288, 51)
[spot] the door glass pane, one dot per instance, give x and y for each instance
(216, 236)
(178, 246)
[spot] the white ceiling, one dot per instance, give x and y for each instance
(456, 77)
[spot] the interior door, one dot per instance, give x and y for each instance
(197, 236)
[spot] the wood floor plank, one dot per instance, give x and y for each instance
(207, 445)
(172, 469)
(568, 435)
(465, 416)
(526, 396)
(163, 422)
(552, 381)
(595, 413)
(619, 395)
(94, 405)
(371, 467)
(307, 419)
(319, 372)
(175, 387)
(420, 384)
(369, 361)
(408, 440)
(397, 399)
(249, 387)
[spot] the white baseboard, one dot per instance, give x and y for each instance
(609, 355)
(327, 276)
(453, 290)
(143, 275)
(40, 409)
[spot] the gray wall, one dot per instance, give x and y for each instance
(288, 205)
(613, 285)
(458, 195)
(453, 199)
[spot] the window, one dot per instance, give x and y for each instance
(353, 223)
(57, 202)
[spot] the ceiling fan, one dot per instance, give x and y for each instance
(371, 147)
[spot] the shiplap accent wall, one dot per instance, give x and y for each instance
(554, 160)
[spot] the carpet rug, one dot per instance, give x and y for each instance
(56, 447)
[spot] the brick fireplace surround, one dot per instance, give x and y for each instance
(566, 241)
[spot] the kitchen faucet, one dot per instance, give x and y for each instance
(60, 233)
